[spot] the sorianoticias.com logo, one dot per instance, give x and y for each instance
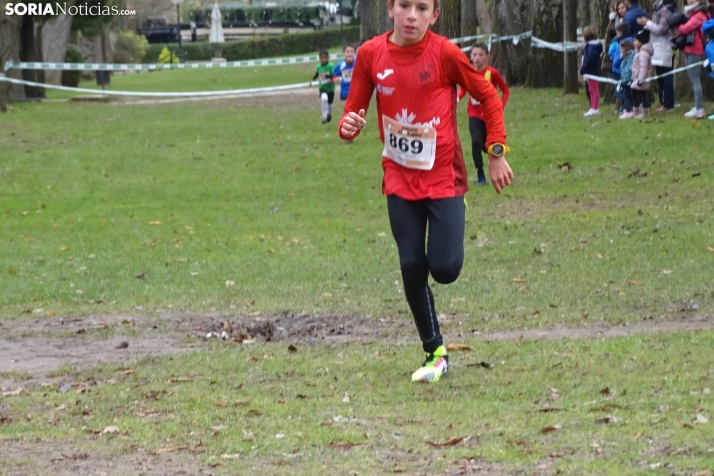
(85, 9)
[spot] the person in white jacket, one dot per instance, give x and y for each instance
(662, 59)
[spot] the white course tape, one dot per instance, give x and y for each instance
(601, 79)
(157, 94)
(162, 66)
(562, 46)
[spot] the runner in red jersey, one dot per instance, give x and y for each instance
(415, 73)
(477, 126)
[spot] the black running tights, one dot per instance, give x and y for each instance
(441, 254)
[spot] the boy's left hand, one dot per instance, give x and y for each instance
(500, 172)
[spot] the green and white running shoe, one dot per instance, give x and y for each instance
(435, 366)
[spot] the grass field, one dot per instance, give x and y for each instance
(250, 206)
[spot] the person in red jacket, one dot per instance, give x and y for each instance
(415, 73)
(697, 13)
(477, 127)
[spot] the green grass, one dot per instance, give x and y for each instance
(106, 208)
(109, 209)
(195, 80)
(615, 407)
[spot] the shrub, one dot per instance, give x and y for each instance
(130, 47)
(261, 47)
(72, 55)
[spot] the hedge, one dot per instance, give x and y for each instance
(262, 47)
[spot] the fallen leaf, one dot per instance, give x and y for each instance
(180, 379)
(632, 282)
(292, 348)
(168, 449)
(548, 410)
(485, 365)
(111, 429)
(702, 419)
(64, 248)
(230, 456)
(154, 223)
(13, 393)
(123, 345)
(344, 444)
(457, 347)
(548, 429)
(13, 272)
(519, 280)
(710, 249)
(230, 283)
(450, 442)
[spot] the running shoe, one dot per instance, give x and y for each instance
(435, 366)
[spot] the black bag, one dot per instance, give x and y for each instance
(680, 42)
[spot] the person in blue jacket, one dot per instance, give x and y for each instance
(634, 11)
(592, 51)
(708, 30)
(622, 33)
(343, 70)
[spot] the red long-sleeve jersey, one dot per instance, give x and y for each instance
(416, 103)
(494, 77)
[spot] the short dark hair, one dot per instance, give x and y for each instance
(623, 28)
(324, 52)
(627, 45)
(634, 2)
(348, 45)
(480, 45)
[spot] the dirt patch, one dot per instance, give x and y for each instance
(34, 350)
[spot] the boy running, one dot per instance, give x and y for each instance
(327, 86)
(477, 127)
(344, 70)
(415, 73)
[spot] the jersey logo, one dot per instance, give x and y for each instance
(384, 74)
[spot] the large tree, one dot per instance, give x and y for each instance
(511, 17)
(374, 18)
(546, 66)
(449, 22)
(469, 18)
(570, 67)
(9, 39)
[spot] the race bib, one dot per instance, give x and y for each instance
(325, 80)
(411, 146)
(346, 75)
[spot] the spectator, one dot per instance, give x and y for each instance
(622, 31)
(662, 58)
(708, 29)
(696, 12)
(641, 70)
(592, 50)
(634, 11)
(627, 53)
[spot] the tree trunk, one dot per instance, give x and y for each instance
(55, 34)
(469, 18)
(374, 19)
(28, 53)
(449, 22)
(546, 66)
(570, 66)
(583, 13)
(511, 17)
(483, 17)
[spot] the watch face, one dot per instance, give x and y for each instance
(497, 150)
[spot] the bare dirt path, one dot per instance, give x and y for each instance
(35, 349)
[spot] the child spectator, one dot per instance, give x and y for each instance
(477, 126)
(641, 70)
(708, 30)
(627, 53)
(697, 12)
(592, 50)
(622, 33)
(327, 86)
(343, 71)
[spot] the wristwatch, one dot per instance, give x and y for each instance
(497, 149)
